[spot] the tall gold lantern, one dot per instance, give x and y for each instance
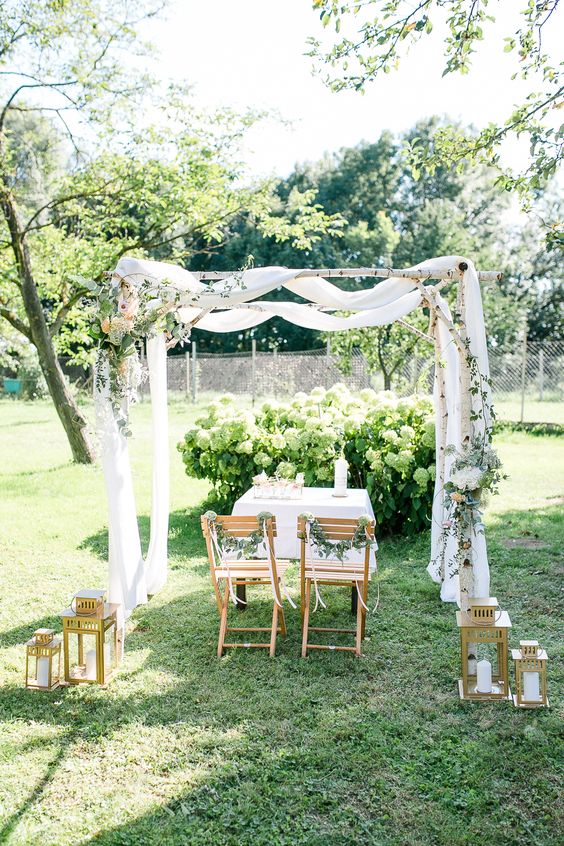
(43, 661)
(530, 675)
(90, 621)
(482, 627)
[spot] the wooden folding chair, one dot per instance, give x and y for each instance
(235, 572)
(325, 571)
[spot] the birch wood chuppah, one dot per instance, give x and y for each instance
(229, 303)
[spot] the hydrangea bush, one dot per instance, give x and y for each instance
(388, 442)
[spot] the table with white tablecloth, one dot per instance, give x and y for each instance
(321, 503)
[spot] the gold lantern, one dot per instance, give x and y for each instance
(90, 638)
(484, 627)
(43, 671)
(530, 675)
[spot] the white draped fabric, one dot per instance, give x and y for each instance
(237, 309)
(127, 583)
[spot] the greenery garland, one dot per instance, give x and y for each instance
(246, 547)
(475, 472)
(327, 548)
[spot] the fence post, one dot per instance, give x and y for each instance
(253, 369)
(523, 371)
(187, 362)
(275, 370)
(194, 374)
(327, 362)
(541, 374)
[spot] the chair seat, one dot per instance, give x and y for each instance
(250, 569)
(334, 571)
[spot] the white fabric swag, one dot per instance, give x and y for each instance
(233, 307)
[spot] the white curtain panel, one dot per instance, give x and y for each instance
(127, 583)
(156, 563)
(385, 302)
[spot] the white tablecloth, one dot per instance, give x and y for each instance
(320, 502)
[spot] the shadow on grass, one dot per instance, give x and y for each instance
(21, 634)
(330, 749)
(17, 424)
(184, 535)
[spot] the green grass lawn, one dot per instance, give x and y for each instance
(183, 748)
(533, 412)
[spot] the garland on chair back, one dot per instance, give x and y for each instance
(246, 547)
(327, 548)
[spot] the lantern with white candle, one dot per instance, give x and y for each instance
(43, 661)
(530, 675)
(341, 477)
(484, 650)
(90, 639)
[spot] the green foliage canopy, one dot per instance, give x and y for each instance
(371, 38)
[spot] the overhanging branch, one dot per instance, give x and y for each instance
(14, 321)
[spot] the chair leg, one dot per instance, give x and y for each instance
(359, 626)
(365, 598)
(274, 630)
(223, 621)
(282, 622)
(305, 623)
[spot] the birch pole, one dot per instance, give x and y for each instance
(466, 572)
(443, 414)
(460, 338)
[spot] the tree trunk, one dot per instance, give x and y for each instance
(74, 422)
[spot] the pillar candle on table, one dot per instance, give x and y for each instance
(484, 677)
(341, 473)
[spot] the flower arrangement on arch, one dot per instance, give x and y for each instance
(124, 316)
(475, 473)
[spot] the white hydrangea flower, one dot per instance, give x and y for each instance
(467, 478)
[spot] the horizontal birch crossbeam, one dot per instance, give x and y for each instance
(348, 272)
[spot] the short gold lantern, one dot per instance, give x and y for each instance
(483, 636)
(43, 671)
(88, 602)
(90, 638)
(530, 675)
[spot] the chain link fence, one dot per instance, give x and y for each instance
(528, 383)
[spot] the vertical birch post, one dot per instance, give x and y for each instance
(443, 412)
(466, 573)
(253, 369)
(194, 373)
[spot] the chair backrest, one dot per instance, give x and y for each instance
(336, 529)
(239, 527)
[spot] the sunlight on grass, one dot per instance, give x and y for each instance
(183, 748)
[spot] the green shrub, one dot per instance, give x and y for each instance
(388, 442)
